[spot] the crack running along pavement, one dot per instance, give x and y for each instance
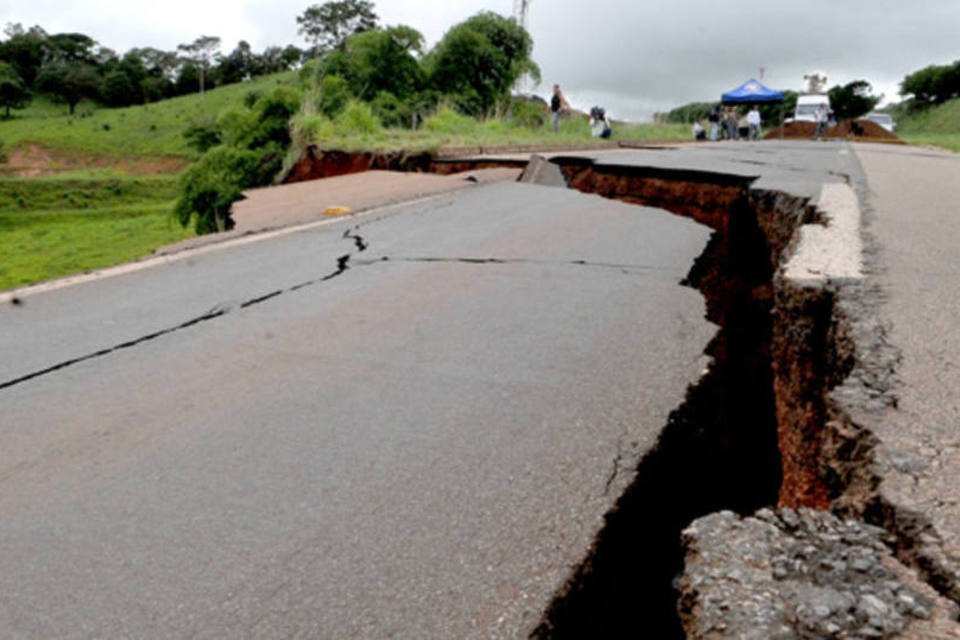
(344, 263)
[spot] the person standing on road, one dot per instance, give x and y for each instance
(753, 121)
(558, 104)
(822, 115)
(714, 119)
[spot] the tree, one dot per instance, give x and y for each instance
(479, 60)
(934, 84)
(24, 51)
(73, 48)
(384, 60)
(238, 65)
(69, 82)
(125, 81)
(276, 59)
(13, 93)
(327, 26)
(852, 100)
(201, 52)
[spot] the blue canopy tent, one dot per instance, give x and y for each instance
(752, 92)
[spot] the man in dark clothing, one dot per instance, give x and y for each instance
(558, 104)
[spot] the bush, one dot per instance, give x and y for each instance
(202, 136)
(334, 96)
(529, 114)
(391, 111)
(447, 120)
(311, 128)
(358, 118)
(213, 184)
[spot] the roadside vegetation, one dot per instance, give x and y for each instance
(105, 156)
(936, 125)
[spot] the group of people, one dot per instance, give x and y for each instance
(727, 124)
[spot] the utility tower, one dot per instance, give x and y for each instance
(521, 13)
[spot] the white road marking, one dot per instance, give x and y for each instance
(832, 251)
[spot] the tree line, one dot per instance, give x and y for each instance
(476, 62)
(932, 85)
(69, 67)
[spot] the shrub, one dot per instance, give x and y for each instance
(212, 185)
(529, 114)
(334, 95)
(311, 128)
(202, 136)
(358, 118)
(392, 111)
(447, 120)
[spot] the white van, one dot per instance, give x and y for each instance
(807, 105)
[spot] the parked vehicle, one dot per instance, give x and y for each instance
(807, 106)
(882, 119)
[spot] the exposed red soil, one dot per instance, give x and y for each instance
(859, 129)
(36, 160)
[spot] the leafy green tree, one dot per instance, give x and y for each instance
(161, 69)
(277, 59)
(13, 92)
(72, 48)
(238, 65)
(124, 81)
(201, 53)
(384, 60)
(69, 82)
(479, 60)
(327, 26)
(852, 100)
(25, 51)
(934, 84)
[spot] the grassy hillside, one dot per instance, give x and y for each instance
(133, 132)
(938, 126)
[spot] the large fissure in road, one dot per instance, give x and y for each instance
(719, 450)
(759, 431)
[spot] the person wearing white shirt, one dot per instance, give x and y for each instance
(753, 121)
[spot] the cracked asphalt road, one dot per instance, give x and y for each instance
(271, 440)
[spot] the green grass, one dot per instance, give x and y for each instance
(937, 126)
(129, 133)
(451, 130)
(55, 227)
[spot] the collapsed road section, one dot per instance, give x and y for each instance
(757, 515)
(761, 430)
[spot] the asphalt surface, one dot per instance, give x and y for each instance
(252, 442)
(410, 422)
(913, 222)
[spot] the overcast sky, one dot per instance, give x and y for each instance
(634, 57)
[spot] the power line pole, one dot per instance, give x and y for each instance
(521, 13)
